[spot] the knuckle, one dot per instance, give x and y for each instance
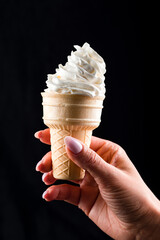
(117, 150)
(120, 151)
(63, 192)
(118, 154)
(91, 158)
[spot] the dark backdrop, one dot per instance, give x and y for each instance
(35, 36)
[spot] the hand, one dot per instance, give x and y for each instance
(112, 193)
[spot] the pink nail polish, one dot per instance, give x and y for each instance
(74, 145)
(43, 195)
(37, 166)
(38, 134)
(43, 176)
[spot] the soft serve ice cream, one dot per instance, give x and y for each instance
(83, 74)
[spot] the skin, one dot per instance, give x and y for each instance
(112, 193)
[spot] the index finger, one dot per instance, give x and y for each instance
(43, 136)
(96, 143)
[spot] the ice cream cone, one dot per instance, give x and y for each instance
(69, 115)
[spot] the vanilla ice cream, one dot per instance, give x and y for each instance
(83, 74)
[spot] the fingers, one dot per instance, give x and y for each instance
(43, 136)
(87, 159)
(64, 192)
(48, 178)
(45, 165)
(104, 148)
(97, 143)
(111, 153)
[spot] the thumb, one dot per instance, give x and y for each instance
(89, 160)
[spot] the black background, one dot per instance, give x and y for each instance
(36, 36)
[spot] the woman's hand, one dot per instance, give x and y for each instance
(112, 193)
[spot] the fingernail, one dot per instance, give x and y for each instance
(38, 134)
(74, 145)
(43, 195)
(43, 176)
(38, 164)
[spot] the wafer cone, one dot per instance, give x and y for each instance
(69, 115)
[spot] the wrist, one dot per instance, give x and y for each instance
(151, 227)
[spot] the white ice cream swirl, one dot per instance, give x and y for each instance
(83, 74)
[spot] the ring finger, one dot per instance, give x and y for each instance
(45, 165)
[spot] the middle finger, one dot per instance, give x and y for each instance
(45, 165)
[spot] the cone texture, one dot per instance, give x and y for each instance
(63, 167)
(69, 115)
